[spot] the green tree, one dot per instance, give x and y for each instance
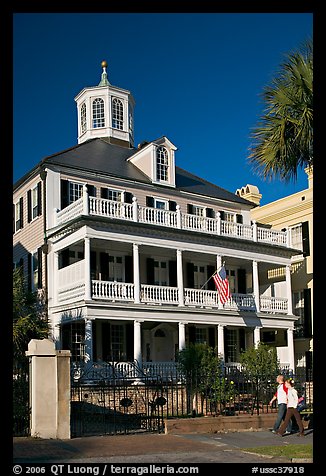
(29, 316)
(283, 138)
(261, 366)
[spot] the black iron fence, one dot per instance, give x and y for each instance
(106, 400)
(21, 407)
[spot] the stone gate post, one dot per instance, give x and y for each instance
(49, 390)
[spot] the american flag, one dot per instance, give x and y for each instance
(222, 285)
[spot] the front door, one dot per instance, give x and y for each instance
(162, 343)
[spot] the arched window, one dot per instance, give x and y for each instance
(162, 164)
(117, 114)
(83, 118)
(98, 113)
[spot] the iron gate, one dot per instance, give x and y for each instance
(116, 403)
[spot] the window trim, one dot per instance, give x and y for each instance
(117, 107)
(18, 203)
(163, 200)
(83, 118)
(157, 164)
(98, 113)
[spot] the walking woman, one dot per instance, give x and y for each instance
(292, 403)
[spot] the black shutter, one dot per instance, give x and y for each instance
(172, 205)
(128, 197)
(39, 271)
(106, 338)
(104, 266)
(129, 342)
(192, 334)
(149, 202)
(210, 283)
(150, 271)
(66, 336)
(91, 189)
(173, 273)
(64, 193)
(21, 202)
(222, 215)
(242, 286)
(93, 265)
(190, 275)
(239, 218)
(211, 337)
(242, 340)
(29, 271)
(210, 213)
(39, 199)
(129, 269)
(65, 258)
(21, 264)
(305, 239)
(190, 209)
(307, 312)
(29, 206)
(104, 192)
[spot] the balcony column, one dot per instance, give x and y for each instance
(137, 343)
(255, 280)
(220, 341)
(288, 288)
(87, 260)
(182, 335)
(136, 273)
(88, 341)
(180, 278)
(85, 200)
(256, 336)
(218, 266)
(54, 278)
(290, 348)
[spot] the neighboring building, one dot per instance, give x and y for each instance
(124, 243)
(293, 213)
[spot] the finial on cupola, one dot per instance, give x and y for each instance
(104, 77)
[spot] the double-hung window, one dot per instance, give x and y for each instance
(98, 113)
(117, 114)
(162, 164)
(75, 191)
(83, 118)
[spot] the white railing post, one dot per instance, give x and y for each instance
(182, 335)
(134, 209)
(85, 200)
(254, 230)
(218, 222)
(137, 343)
(288, 237)
(179, 218)
(288, 287)
(220, 341)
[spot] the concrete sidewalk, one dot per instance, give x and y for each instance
(150, 448)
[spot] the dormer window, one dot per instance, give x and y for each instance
(98, 113)
(83, 118)
(162, 164)
(117, 114)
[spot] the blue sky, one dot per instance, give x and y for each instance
(197, 78)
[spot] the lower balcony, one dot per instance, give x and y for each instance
(167, 295)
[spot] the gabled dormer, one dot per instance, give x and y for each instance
(156, 160)
(106, 111)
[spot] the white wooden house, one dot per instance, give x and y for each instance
(123, 242)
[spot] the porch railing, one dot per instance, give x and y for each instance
(273, 304)
(113, 291)
(153, 216)
(200, 297)
(159, 294)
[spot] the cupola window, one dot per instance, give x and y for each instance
(98, 113)
(83, 118)
(117, 114)
(162, 164)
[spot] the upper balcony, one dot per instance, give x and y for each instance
(100, 207)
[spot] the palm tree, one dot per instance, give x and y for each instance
(283, 138)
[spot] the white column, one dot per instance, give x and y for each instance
(136, 273)
(137, 343)
(289, 288)
(255, 280)
(180, 278)
(54, 276)
(88, 341)
(256, 336)
(182, 335)
(220, 341)
(179, 217)
(87, 259)
(135, 209)
(290, 348)
(254, 230)
(218, 266)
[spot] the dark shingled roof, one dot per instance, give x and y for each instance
(98, 155)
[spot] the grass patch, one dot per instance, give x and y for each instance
(289, 451)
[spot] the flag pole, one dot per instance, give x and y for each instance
(213, 275)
